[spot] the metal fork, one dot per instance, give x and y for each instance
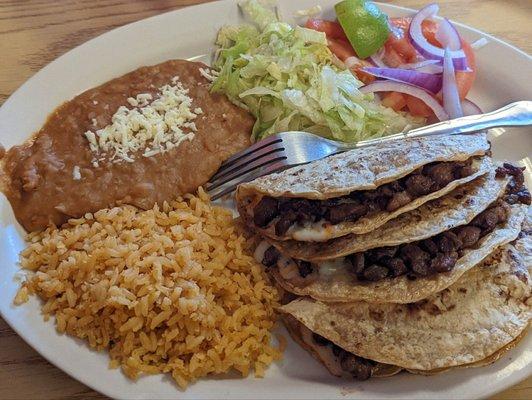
(288, 149)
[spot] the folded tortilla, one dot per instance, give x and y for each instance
(360, 170)
(342, 285)
(454, 209)
(303, 336)
(468, 324)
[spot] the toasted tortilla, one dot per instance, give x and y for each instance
(456, 208)
(357, 170)
(294, 329)
(482, 363)
(385, 370)
(484, 311)
(343, 286)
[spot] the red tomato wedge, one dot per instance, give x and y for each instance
(417, 107)
(332, 29)
(394, 100)
(464, 79)
(398, 50)
(343, 50)
(398, 42)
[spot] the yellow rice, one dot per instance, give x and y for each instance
(166, 290)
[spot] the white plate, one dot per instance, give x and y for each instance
(189, 33)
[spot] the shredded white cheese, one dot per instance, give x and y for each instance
(150, 127)
(76, 173)
(210, 75)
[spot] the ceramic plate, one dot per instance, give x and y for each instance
(504, 76)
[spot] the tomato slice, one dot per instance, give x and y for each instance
(343, 50)
(418, 107)
(332, 29)
(394, 100)
(465, 79)
(399, 41)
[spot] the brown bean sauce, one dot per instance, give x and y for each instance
(38, 175)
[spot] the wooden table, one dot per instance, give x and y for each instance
(34, 32)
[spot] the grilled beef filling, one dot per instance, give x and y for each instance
(516, 192)
(358, 367)
(422, 258)
(285, 212)
(433, 255)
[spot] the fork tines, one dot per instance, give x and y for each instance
(263, 157)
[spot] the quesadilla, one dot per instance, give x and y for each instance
(360, 190)
(406, 260)
(471, 323)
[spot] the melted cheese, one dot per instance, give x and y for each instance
(315, 232)
(151, 127)
(332, 267)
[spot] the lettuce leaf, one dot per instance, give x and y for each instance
(289, 80)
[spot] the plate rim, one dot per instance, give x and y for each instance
(508, 382)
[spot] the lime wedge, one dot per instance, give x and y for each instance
(365, 25)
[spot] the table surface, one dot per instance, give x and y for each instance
(35, 32)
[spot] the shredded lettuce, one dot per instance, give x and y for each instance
(287, 78)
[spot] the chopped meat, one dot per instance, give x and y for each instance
(490, 218)
(388, 197)
(271, 256)
(285, 222)
(444, 262)
(375, 272)
(419, 185)
(464, 171)
(396, 266)
(265, 211)
(448, 242)
(305, 268)
(337, 350)
(358, 367)
(469, 235)
(357, 262)
(416, 259)
(305, 209)
(441, 173)
(398, 200)
(377, 254)
(320, 340)
(524, 197)
(516, 190)
(346, 211)
(429, 246)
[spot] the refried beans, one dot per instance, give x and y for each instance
(51, 178)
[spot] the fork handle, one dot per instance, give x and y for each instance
(514, 114)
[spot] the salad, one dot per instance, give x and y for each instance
(362, 76)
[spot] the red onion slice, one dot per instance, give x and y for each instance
(422, 45)
(448, 36)
(428, 66)
(451, 99)
(429, 82)
(470, 108)
(423, 95)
